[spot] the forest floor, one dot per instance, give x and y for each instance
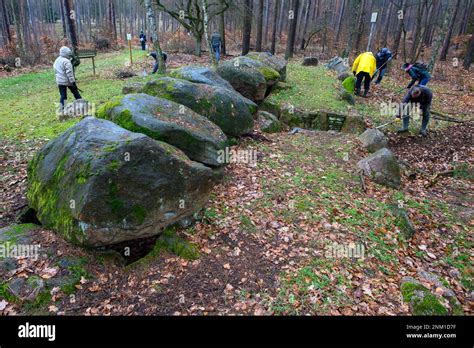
(262, 245)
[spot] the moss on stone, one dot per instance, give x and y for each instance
(421, 300)
(138, 213)
(269, 73)
(104, 110)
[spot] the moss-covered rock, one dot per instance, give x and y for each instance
(271, 75)
(133, 87)
(270, 60)
(246, 80)
(268, 122)
(77, 193)
(200, 74)
(291, 116)
(167, 121)
(420, 299)
(228, 109)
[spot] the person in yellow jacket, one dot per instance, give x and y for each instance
(364, 68)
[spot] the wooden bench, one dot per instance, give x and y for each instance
(88, 54)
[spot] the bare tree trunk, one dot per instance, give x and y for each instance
(150, 13)
(339, 21)
(468, 58)
(440, 38)
(305, 28)
(71, 21)
(258, 43)
(267, 23)
(274, 31)
(447, 39)
(6, 21)
(247, 27)
(360, 21)
(354, 8)
(292, 32)
(465, 20)
(206, 31)
(400, 26)
(387, 25)
(222, 29)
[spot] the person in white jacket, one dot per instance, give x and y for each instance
(65, 75)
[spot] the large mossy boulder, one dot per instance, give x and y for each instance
(200, 74)
(246, 80)
(382, 167)
(228, 109)
(271, 61)
(99, 184)
(271, 75)
(167, 121)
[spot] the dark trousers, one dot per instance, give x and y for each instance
(363, 76)
(425, 111)
(143, 43)
(381, 74)
(63, 93)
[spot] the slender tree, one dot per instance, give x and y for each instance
(447, 39)
(469, 57)
(440, 37)
(206, 32)
(293, 17)
(150, 13)
(222, 27)
(6, 22)
(247, 27)
(258, 43)
(275, 22)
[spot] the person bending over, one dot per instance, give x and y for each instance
(364, 69)
(418, 96)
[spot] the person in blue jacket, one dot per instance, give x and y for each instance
(418, 72)
(383, 57)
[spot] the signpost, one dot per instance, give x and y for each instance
(129, 39)
(373, 20)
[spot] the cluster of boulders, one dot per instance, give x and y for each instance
(150, 157)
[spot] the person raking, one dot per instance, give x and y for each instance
(418, 96)
(65, 75)
(418, 72)
(364, 69)
(382, 58)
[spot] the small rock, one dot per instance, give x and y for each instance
(382, 167)
(373, 140)
(26, 288)
(344, 75)
(268, 122)
(310, 61)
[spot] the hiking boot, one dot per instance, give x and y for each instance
(403, 130)
(357, 92)
(423, 133)
(365, 94)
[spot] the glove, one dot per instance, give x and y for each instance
(354, 73)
